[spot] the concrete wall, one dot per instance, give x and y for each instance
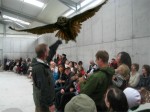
(121, 25)
(16, 45)
(1, 42)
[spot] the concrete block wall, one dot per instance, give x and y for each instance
(16, 47)
(121, 25)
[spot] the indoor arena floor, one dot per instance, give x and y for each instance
(16, 93)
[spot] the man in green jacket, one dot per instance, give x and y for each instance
(43, 86)
(96, 85)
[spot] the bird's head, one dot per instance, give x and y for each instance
(62, 20)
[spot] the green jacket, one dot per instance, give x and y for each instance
(43, 85)
(97, 84)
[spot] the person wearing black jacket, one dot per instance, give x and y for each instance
(64, 59)
(66, 92)
(52, 50)
(43, 85)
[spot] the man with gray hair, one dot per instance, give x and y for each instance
(43, 85)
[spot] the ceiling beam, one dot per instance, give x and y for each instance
(79, 9)
(69, 3)
(22, 15)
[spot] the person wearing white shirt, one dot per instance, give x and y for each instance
(134, 75)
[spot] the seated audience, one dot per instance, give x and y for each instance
(66, 92)
(8, 64)
(62, 77)
(134, 75)
(80, 91)
(81, 71)
(71, 65)
(1, 67)
(15, 68)
(56, 58)
(75, 67)
(116, 100)
(60, 60)
(54, 70)
(5, 61)
(144, 78)
(66, 64)
(80, 63)
(12, 64)
(23, 67)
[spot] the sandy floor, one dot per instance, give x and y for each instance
(15, 93)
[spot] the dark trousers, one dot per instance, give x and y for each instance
(63, 99)
(42, 109)
(102, 107)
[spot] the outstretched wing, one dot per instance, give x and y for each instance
(87, 14)
(77, 20)
(40, 30)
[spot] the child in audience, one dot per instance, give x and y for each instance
(54, 70)
(120, 80)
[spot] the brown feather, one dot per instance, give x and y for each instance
(40, 30)
(87, 14)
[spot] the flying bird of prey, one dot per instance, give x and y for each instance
(68, 28)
